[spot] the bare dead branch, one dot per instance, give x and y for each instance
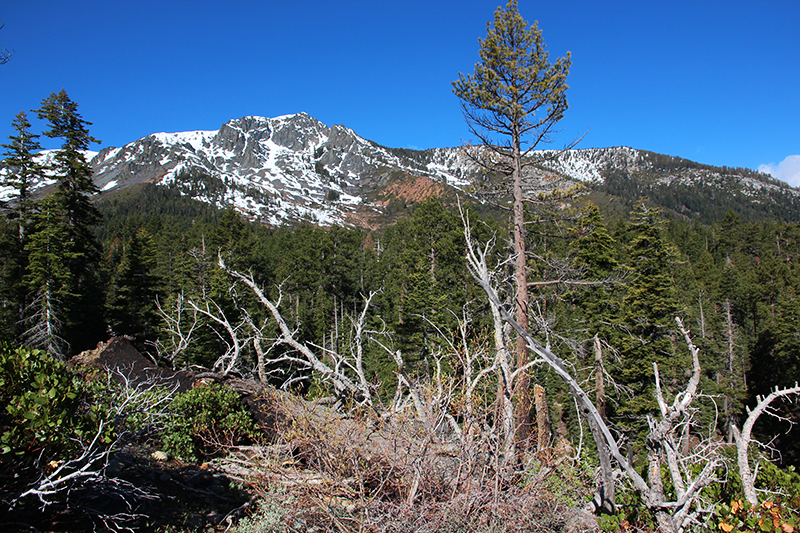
(180, 334)
(341, 382)
(672, 515)
(744, 438)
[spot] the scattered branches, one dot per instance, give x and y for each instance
(307, 358)
(661, 446)
(5, 53)
(131, 412)
(178, 331)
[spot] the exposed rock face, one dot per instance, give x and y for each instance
(276, 170)
(292, 168)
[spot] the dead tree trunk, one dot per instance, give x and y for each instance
(542, 421)
(599, 378)
(673, 515)
(341, 382)
(744, 438)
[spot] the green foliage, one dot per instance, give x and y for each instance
(778, 510)
(71, 168)
(63, 307)
(270, 517)
(46, 411)
(424, 274)
(23, 169)
(12, 292)
(768, 517)
(514, 80)
(631, 515)
(205, 421)
(49, 279)
(648, 311)
(133, 289)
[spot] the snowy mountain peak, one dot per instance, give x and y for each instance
(294, 167)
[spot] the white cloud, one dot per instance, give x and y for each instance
(787, 170)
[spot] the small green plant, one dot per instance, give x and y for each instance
(205, 421)
(778, 510)
(269, 518)
(631, 515)
(46, 410)
(767, 517)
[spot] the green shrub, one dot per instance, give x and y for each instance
(270, 517)
(778, 509)
(205, 421)
(45, 410)
(767, 517)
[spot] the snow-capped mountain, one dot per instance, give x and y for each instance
(272, 169)
(291, 168)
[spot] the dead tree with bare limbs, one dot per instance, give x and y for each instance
(673, 514)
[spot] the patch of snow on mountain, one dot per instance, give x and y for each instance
(445, 172)
(110, 154)
(195, 139)
(587, 164)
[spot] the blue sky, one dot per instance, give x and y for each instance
(712, 81)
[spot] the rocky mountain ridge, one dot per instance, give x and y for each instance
(291, 168)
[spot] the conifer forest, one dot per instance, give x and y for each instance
(580, 360)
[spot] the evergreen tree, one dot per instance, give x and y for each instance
(424, 275)
(518, 95)
(648, 312)
(11, 288)
(596, 254)
(73, 172)
(23, 171)
(130, 302)
(594, 247)
(49, 280)
(69, 216)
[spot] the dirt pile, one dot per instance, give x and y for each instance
(123, 361)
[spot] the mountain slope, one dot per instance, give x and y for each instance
(291, 168)
(276, 170)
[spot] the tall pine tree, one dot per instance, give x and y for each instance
(512, 103)
(64, 227)
(130, 302)
(648, 313)
(24, 170)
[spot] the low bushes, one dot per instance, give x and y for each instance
(47, 411)
(205, 422)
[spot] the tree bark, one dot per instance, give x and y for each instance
(542, 422)
(599, 378)
(743, 439)
(522, 391)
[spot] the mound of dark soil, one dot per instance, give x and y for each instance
(123, 361)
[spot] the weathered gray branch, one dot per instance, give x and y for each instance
(672, 515)
(341, 382)
(745, 436)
